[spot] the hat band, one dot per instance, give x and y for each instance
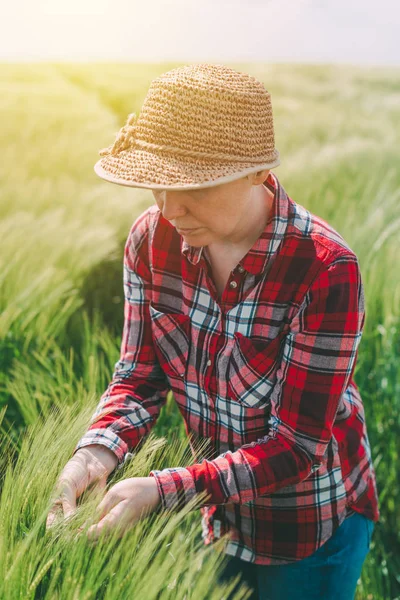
(215, 156)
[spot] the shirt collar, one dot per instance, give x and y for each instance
(266, 246)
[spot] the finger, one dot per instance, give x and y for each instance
(117, 517)
(68, 499)
(53, 515)
(55, 511)
(110, 500)
(105, 524)
(97, 487)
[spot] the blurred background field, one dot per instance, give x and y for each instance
(63, 231)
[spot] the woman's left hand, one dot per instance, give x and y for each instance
(125, 504)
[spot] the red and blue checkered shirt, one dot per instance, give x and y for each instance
(263, 378)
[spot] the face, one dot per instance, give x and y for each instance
(219, 214)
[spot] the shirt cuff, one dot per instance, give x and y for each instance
(176, 487)
(104, 437)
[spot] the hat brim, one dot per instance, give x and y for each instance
(143, 169)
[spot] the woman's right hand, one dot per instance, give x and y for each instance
(90, 464)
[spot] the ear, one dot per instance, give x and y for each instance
(259, 176)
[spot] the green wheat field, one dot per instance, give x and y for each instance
(62, 232)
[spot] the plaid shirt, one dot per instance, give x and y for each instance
(262, 377)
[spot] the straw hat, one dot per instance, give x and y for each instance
(200, 125)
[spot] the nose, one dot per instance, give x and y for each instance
(171, 207)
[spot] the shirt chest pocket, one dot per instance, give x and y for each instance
(171, 336)
(252, 370)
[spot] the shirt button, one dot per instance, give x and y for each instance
(240, 269)
(233, 284)
(209, 363)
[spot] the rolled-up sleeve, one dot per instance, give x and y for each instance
(317, 364)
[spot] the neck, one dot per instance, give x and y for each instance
(253, 228)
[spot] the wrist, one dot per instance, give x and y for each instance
(98, 453)
(155, 492)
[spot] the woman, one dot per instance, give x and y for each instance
(251, 309)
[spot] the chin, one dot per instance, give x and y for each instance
(196, 242)
(195, 239)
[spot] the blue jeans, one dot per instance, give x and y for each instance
(330, 573)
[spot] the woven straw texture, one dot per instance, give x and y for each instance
(200, 125)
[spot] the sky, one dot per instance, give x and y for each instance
(358, 32)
